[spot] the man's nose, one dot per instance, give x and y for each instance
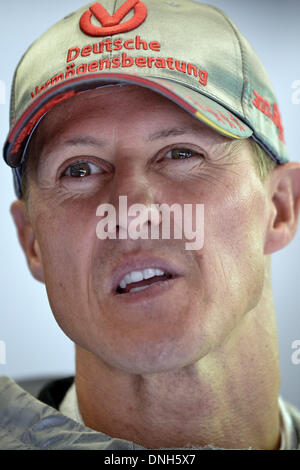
(134, 197)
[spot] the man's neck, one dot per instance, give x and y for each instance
(228, 399)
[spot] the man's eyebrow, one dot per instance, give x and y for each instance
(72, 141)
(162, 133)
(174, 131)
(85, 140)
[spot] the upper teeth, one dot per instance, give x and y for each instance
(136, 276)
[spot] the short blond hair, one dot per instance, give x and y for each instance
(263, 162)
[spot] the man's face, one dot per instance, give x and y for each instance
(125, 140)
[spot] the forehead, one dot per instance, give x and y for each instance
(110, 109)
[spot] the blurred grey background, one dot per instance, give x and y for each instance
(34, 344)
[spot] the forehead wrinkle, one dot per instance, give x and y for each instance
(199, 130)
(175, 131)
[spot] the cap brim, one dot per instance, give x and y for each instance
(206, 109)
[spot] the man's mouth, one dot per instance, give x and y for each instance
(135, 281)
(142, 272)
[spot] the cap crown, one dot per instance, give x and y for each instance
(184, 42)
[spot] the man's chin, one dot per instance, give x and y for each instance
(152, 357)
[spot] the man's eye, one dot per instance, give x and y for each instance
(81, 169)
(180, 154)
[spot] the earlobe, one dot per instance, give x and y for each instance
(284, 187)
(27, 239)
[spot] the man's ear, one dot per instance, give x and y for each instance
(27, 239)
(284, 187)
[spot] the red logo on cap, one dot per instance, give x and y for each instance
(112, 24)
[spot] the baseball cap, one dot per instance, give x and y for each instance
(189, 52)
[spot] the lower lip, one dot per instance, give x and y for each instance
(153, 290)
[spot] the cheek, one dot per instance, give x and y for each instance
(240, 218)
(232, 260)
(66, 237)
